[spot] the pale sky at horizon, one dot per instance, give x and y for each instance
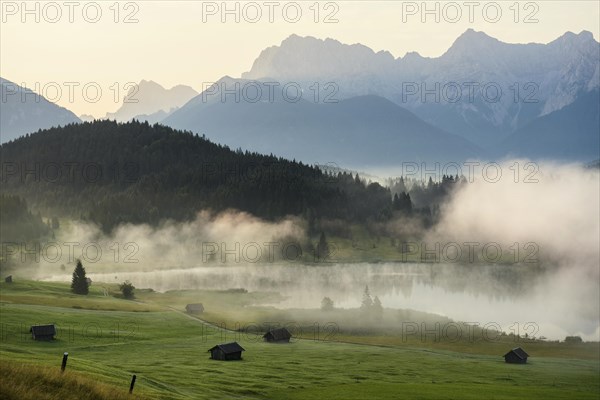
(171, 44)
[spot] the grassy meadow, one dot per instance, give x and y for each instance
(109, 339)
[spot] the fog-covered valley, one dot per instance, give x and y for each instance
(553, 282)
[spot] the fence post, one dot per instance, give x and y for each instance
(132, 383)
(64, 362)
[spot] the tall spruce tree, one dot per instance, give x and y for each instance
(322, 247)
(367, 301)
(377, 308)
(79, 284)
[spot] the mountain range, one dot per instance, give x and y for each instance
(534, 79)
(151, 102)
(482, 98)
(527, 84)
(571, 132)
(360, 131)
(23, 111)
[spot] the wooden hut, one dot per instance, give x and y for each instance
(196, 308)
(516, 356)
(226, 352)
(279, 335)
(43, 332)
(8, 279)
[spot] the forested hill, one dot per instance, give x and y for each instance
(135, 172)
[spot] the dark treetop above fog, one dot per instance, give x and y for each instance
(134, 172)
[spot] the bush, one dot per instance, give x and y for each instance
(573, 339)
(327, 304)
(127, 289)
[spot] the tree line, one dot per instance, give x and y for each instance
(111, 173)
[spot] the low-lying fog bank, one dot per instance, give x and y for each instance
(492, 294)
(554, 207)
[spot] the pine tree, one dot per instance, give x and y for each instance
(401, 186)
(79, 284)
(322, 247)
(377, 308)
(367, 302)
(407, 202)
(430, 184)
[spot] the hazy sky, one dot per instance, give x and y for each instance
(187, 42)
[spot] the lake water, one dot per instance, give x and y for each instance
(544, 303)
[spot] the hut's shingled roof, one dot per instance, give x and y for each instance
(229, 348)
(279, 333)
(519, 353)
(43, 330)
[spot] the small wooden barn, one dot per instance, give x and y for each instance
(279, 335)
(516, 356)
(43, 332)
(8, 279)
(226, 352)
(196, 308)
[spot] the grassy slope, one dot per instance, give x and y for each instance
(21, 381)
(167, 350)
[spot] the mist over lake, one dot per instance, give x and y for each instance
(547, 276)
(476, 294)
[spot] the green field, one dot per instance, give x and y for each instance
(109, 339)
